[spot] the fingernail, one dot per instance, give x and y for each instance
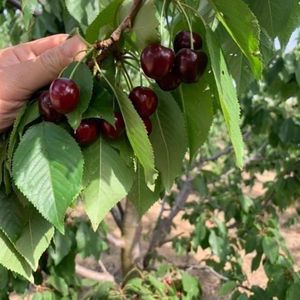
(72, 46)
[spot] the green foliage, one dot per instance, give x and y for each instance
(43, 172)
(47, 175)
(107, 179)
(244, 31)
(168, 138)
(227, 94)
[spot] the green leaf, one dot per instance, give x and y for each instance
(25, 228)
(169, 138)
(293, 292)
(89, 243)
(59, 284)
(244, 31)
(101, 106)
(157, 284)
(218, 245)
(13, 137)
(227, 288)
(246, 203)
(138, 138)
(106, 17)
(190, 285)
(82, 75)
(272, 14)
(12, 260)
(237, 63)
(84, 11)
(140, 195)
(62, 245)
(31, 114)
(107, 180)
(198, 112)
(270, 248)
(256, 260)
(48, 168)
(28, 8)
(291, 25)
(227, 95)
(145, 27)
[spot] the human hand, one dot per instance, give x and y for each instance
(28, 67)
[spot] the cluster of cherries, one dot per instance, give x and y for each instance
(63, 97)
(170, 68)
(158, 62)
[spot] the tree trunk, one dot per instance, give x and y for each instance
(131, 236)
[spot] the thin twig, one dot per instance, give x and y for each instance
(125, 24)
(110, 45)
(115, 241)
(90, 274)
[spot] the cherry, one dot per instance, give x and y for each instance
(187, 65)
(47, 111)
(148, 125)
(110, 131)
(64, 95)
(87, 132)
(183, 40)
(157, 61)
(144, 100)
(170, 82)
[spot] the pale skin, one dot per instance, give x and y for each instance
(28, 67)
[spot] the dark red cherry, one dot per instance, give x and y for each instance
(110, 131)
(183, 40)
(47, 111)
(170, 82)
(87, 132)
(64, 95)
(144, 100)
(187, 65)
(148, 125)
(157, 61)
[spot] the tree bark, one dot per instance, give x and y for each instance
(131, 236)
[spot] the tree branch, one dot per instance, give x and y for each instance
(125, 24)
(109, 45)
(90, 274)
(163, 226)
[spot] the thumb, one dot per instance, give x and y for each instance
(34, 74)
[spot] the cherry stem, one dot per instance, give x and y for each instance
(105, 78)
(181, 8)
(197, 14)
(127, 77)
(138, 70)
(88, 52)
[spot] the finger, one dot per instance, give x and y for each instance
(27, 77)
(30, 50)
